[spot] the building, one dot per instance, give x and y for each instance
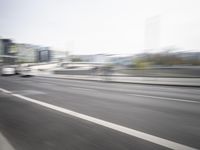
(98, 58)
(26, 53)
(7, 54)
(11, 53)
(59, 56)
(44, 54)
(122, 60)
(1, 51)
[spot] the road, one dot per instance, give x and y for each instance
(119, 116)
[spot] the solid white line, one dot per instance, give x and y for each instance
(166, 98)
(129, 131)
(5, 91)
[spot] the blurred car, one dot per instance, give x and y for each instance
(7, 70)
(17, 70)
(25, 71)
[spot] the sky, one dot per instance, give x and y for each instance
(102, 26)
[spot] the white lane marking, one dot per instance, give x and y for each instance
(129, 131)
(166, 98)
(4, 143)
(5, 91)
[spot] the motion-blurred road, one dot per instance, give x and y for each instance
(170, 113)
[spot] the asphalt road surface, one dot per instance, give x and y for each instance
(87, 115)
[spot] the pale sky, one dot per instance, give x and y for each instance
(100, 26)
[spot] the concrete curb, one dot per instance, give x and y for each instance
(4, 143)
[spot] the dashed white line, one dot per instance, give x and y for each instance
(129, 131)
